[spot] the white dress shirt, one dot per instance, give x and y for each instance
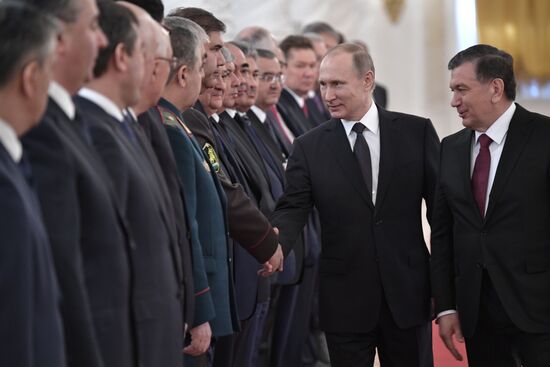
(372, 136)
(301, 102)
(102, 101)
(10, 141)
(497, 132)
(259, 113)
(62, 98)
(231, 112)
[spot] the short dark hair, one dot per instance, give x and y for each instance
(490, 63)
(266, 54)
(204, 18)
(155, 8)
(362, 61)
(295, 42)
(24, 31)
(184, 41)
(64, 10)
(320, 27)
(120, 26)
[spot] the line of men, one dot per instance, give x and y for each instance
(141, 159)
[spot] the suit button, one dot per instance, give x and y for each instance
(379, 222)
(481, 266)
(484, 233)
(377, 259)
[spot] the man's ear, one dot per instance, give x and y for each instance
(29, 78)
(497, 86)
(182, 76)
(369, 80)
(120, 58)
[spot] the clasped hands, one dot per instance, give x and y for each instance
(275, 263)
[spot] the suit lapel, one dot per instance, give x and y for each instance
(389, 141)
(345, 158)
(463, 156)
(516, 140)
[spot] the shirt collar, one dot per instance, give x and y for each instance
(102, 101)
(62, 98)
(231, 112)
(311, 94)
(259, 113)
(301, 102)
(370, 120)
(11, 142)
(216, 117)
(497, 131)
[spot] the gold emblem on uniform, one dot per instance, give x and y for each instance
(212, 156)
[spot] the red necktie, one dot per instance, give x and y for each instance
(305, 110)
(480, 177)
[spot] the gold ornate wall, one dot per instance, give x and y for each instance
(522, 28)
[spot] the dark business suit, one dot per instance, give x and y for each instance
(293, 114)
(500, 261)
(151, 123)
(31, 334)
(89, 239)
(156, 259)
(371, 255)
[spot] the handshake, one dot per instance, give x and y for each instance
(275, 263)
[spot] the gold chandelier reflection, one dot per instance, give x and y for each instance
(394, 8)
(521, 28)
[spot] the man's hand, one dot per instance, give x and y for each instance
(275, 263)
(200, 340)
(449, 325)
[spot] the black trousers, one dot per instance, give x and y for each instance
(396, 347)
(497, 342)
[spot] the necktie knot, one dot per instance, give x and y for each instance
(358, 128)
(484, 141)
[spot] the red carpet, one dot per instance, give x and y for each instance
(444, 358)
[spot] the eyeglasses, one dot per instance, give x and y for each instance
(172, 61)
(271, 78)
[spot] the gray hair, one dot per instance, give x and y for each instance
(20, 42)
(185, 36)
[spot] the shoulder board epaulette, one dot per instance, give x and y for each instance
(170, 118)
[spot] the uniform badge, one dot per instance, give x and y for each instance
(212, 156)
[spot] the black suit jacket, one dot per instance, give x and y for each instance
(293, 114)
(90, 243)
(367, 250)
(151, 123)
(512, 242)
(156, 258)
(31, 333)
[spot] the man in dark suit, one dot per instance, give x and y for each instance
(149, 120)
(246, 223)
(90, 244)
(300, 75)
(366, 171)
(490, 238)
(31, 334)
(156, 259)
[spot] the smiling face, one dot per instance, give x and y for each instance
(472, 99)
(347, 94)
(232, 86)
